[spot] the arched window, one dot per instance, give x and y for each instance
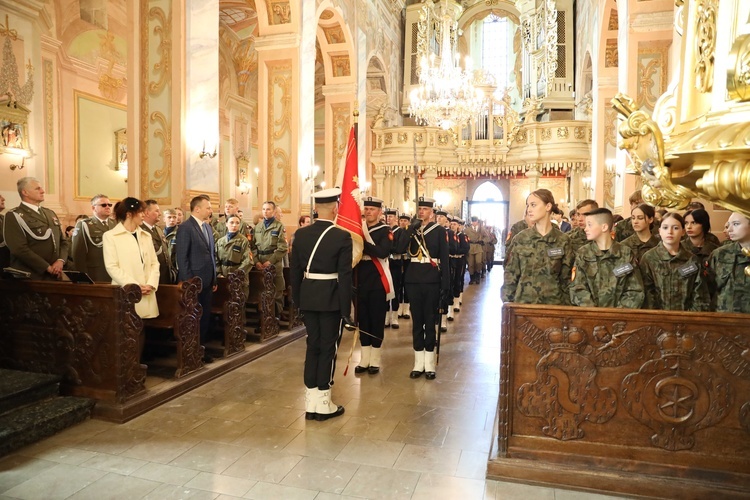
(496, 48)
(487, 191)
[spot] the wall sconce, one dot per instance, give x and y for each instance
(245, 187)
(610, 165)
(365, 188)
(18, 167)
(204, 153)
(586, 181)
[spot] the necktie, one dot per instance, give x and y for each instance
(206, 234)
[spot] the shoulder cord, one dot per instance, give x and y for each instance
(315, 248)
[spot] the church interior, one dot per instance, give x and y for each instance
(255, 100)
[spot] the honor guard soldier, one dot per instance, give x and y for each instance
(34, 235)
(372, 303)
(86, 241)
(427, 282)
(459, 249)
(476, 250)
(441, 217)
(269, 249)
(4, 252)
(151, 217)
(321, 274)
(396, 264)
(403, 297)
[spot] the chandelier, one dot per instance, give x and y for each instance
(446, 95)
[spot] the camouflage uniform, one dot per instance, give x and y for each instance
(624, 229)
(538, 271)
(606, 278)
(577, 238)
(170, 236)
(514, 230)
(86, 248)
(269, 245)
(220, 229)
(673, 282)
(727, 265)
(639, 247)
(233, 254)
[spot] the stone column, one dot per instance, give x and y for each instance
(430, 174)
(339, 106)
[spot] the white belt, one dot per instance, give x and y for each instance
(425, 260)
(321, 276)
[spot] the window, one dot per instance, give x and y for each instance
(496, 50)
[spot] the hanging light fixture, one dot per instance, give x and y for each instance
(446, 95)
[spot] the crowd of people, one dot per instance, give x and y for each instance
(410, 267)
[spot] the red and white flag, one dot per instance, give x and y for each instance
(350, 213)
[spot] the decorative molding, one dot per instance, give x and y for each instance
(163, 67)
(705, 44)
(738, 70)
(163, 132)
(340, 113)
(611, 56)
(279, 137)
(652, 21)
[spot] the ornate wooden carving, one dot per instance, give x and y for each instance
(233, 313)
(88, 334)
(658, 396)
(187, 328)
(268, 322)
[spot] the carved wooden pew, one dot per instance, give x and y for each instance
(229, 303)
(88, 334)
(291, 308)
(261, 296)
(180, 312)
(652, 403)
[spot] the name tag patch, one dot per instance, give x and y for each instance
(688, 269)
(274, 233)
(554, 252)
(623, 269)
(236, 249)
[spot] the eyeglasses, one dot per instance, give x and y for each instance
(104, 204)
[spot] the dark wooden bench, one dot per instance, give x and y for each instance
(290, 306)
(261, 296)
(645, 403)
(229, 304)
(88, 334)
(180, 312)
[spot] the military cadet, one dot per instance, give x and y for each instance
(427, 282)
(231, 207)
(539, 268)
(577, 236)
(170, 236)
(269, 248)
(34, 235)
(441, 217)
(321, 275)
(4, 252)
(476, 250)
(151, 217)
(672, 276)
(180, 215)
(403, 307)
(86, 241)
(697, 241)
(233, 251)
(395, 263)
(458, 249)
(605, 273)
(730, 267)
(643, 240)
(372, 300)
(624, 228)
(489, 247)
(514, 230)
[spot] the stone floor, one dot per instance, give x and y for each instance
(244, 435)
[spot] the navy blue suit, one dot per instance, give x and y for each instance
(195, 257)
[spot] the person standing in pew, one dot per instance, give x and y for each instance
(151, 217)
(269, 248)
(195, 257)
(34, 235)
(729, 266)
(129, 255)
(170, 236)
(605, 273)
(321, 276)
(643, 239)
(86, 241)
(4, 252)
(233, 251)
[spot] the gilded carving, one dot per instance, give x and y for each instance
(110, 86)
(610, 127)
(279, 137)
(705, 45)
(49, 110)
(162, 67)
(579, 133)
(613, 20)
(546, 134)
(163, 131)
(334, 34)
(611, 56)
(563, 132)
(341, 66)
(388, 138)
(279, 12)
(341, 125)
(402, 137)
(738, 70)
(418, 137)
(143, 119)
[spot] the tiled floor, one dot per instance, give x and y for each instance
(244, 435)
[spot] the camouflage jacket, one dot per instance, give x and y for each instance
(673, 282)
(727, 266)
(538, 270)
(639, 247)
(606, 278)
(577, 237)
(624, 230)
(269, 243)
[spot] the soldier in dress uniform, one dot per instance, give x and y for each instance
(428, 283)
(476, 250)
(459, 249)
(372, 304)
(231, 207)
(151, 217)
(441, 217)
(269, 248)
(402, 295)
(86, 240)
(34, 235)
(395, 263)
(321, 274)
(4, 252)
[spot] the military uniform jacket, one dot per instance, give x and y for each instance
(452, 242)
(368, 277)
(333, 256)
(4, 252)
(35, 240)
(463, 244)
(538, 270)
(639, 247)
(515, 229)
(606, 278)
(399, 237)
(704, 252)
(673, 282)
(269, 243)
(624, 229)
(727, 266)
(220, 229)
(434, 239)
(162, 252)
(232, 254)
(170, 236)
(475, 239)
(86, 247)
(577, 237)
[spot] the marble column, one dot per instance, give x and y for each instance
(339, 106)
(430, 174)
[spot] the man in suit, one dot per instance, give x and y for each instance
(34, 235)
(151, 217)
(4, 252)
(195, 257)
(321, 275)
(86, 241)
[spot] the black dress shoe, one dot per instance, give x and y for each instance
(406, 316)
(443, 329)
(208, 359)
(430, 375)
(394, 326)
(360, 369)
(449, 318)
(310, 415)
(320, 417)
(415, 374)
(373, 370)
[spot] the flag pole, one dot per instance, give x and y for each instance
(355, 273)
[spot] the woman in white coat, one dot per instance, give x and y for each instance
(129, 255)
